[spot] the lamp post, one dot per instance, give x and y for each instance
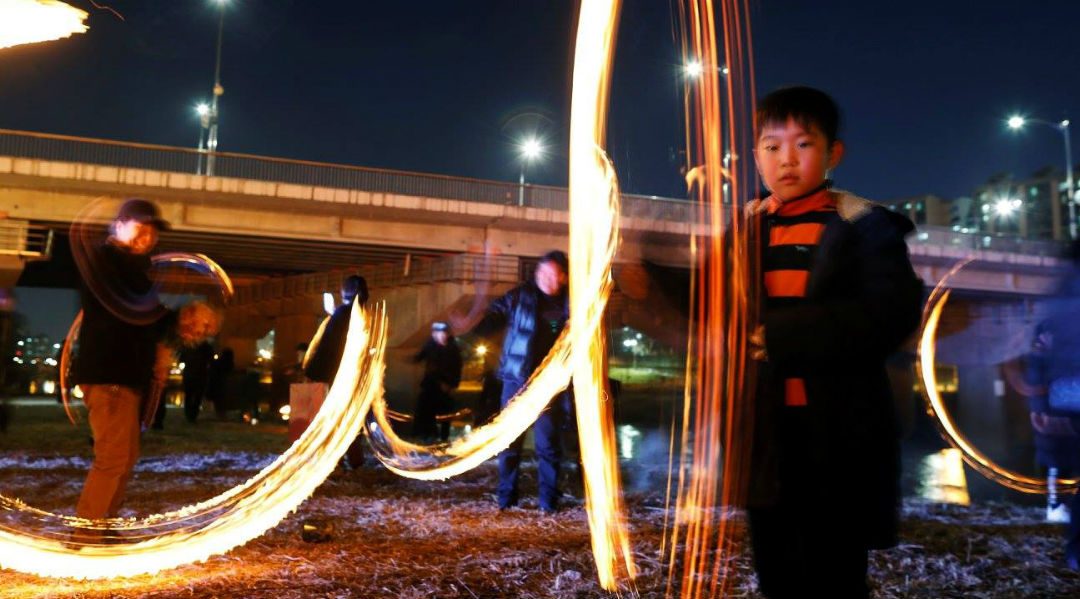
(210, 119)
(202, 110)
(530, 149)
(1017, 122)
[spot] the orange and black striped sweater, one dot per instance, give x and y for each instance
(794, 230)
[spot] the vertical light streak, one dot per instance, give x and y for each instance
(717, 417)
(593, 225)
(32, 21)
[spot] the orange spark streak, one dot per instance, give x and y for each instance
(716, 417)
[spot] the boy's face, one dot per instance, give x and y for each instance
(793, 160)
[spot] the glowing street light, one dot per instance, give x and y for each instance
(1017, 122)
(695, 69)
(530, 149)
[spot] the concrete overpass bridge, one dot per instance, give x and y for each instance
(289, 230)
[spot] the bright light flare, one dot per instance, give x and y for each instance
(1016, 122)
(32, 21)
(693, 69)
(531, 149)
(202, 109)
(1006, 207)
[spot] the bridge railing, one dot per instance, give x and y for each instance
(66, 148)
(944, 236)
(469, 268)
(25, 240)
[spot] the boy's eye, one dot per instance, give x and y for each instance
(806, 144)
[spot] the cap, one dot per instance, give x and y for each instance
(142, 211)
(440, 326)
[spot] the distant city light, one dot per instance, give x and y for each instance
(48, 387)
(693, 69)
(1016, 122)
(481, 350)
(630, 342)
(202, 109)
(1006, 207)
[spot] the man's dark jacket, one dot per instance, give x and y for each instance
(516, 311)
(442, 364)
(862, 301)
(122, 321)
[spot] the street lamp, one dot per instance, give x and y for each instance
(1017, 122)
(209, 114)
(530, 149)
(695, 69)
(202, 110)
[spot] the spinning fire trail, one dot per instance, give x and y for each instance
(196, 532)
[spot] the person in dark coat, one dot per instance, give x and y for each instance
(117, 347)
(1061, 371)
(442, 374)
(533, 315)
(1057, 446)
(838, 296)
(217, 380)
(196, 373)
(325, 358)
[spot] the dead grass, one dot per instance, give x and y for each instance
(394, 537)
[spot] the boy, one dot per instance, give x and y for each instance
(838, 296)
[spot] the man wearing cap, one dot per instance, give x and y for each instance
(121, 326)
(442, 374)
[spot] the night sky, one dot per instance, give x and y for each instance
(449, 87)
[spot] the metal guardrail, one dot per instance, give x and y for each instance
(457, 268)
(944, 236)
(66, 148)
(21, 239)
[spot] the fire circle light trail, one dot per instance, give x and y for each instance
(978, 460)
(196, 532)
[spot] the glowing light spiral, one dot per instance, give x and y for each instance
(196, 532)
(975, 458)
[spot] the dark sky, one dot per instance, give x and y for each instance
(449, 86)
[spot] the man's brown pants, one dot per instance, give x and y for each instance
(114, 422)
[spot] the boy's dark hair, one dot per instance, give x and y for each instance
(557, 257)
(808, 106)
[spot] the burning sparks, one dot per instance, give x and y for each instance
(196, 532)
(926, 371)
(32, 21)
(714, 442)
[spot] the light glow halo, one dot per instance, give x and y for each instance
(975, 458)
